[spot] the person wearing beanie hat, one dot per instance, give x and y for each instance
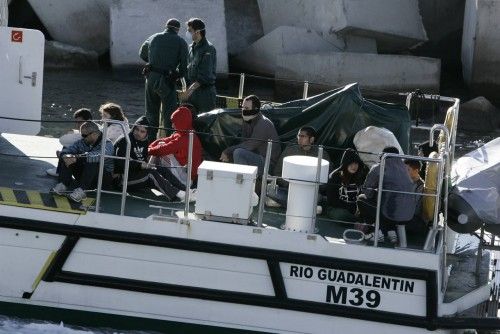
(344, 186)
(171, 153)
(166, 56)
(202, 67)
(141, 173)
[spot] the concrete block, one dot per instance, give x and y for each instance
(243, 26)
(388, 72)
(132, 22)
(481, 45)
(360, 44)
(394, 24)
(261, 56)
(479, 115)
(59, 56)
(83, 23)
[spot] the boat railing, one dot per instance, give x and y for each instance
(104, 156)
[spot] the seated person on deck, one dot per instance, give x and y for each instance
(256, 131)
(397, 208)
(305, 141)
(418, 225)
(80, 116)
(81, 161)
(344, 186)
(141, 174)
(113, 111)
(171, 153)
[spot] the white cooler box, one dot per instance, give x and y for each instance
(225, 191)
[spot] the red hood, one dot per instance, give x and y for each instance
(182, 119)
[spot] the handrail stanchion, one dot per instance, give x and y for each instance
(242, 86)
(126, 170)
(101, 166)
(379, 198)
(188, 181)
(263, 189)
(318, 176)
(306, 89)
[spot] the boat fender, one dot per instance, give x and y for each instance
(430, 187)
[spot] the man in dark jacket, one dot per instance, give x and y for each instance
(256, 131)
(202, 68)
(397, 207)
(141, 174)
(81, 161)
(166, 56)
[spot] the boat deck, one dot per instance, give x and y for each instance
(23, 162)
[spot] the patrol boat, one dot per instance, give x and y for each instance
(222, 267)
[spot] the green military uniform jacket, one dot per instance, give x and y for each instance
(202, 63)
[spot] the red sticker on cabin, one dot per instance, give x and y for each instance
(16, 36)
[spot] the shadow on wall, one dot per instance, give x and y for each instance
(22, 15)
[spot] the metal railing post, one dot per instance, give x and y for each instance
(263, 189)
(242, 86)
(188, 181)
(126, 170)
(379, 198)
(101, 166)
(318, 176)
(306, 89)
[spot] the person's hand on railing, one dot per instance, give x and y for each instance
(147, 165)
(69, 159)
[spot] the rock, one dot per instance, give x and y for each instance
(59, 55)
(478, 115)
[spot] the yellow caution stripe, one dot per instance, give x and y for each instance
(45, 201)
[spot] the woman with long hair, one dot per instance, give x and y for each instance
(112, 111)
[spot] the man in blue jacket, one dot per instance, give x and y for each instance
(81, 161)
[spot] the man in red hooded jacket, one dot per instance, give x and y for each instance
(172, 152)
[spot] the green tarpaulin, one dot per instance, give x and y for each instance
(337, 115)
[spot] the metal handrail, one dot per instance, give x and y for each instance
(102, 158)
(263, 189)
(189, 176)
(316, 185)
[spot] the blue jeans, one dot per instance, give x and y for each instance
(245, 157)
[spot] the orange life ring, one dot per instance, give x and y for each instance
(430, 187)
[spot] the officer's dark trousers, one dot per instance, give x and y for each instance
(203, 99)
(161, 97)
(85, 175)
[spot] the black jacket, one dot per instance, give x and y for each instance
(138, 150)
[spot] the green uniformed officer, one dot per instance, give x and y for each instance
(202, 65)
(166, 56)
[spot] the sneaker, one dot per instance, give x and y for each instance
(272, 203)
(393, 237)
(255, 199)
(192, 196)
(319, 209)
(60, 188)
(371, 236)
(78, 195)
(52, 172)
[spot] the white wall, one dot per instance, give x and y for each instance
(132, 22)
(83, 23)
(261, 56)
(481, 43)
(391, 72)
(468, 39)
